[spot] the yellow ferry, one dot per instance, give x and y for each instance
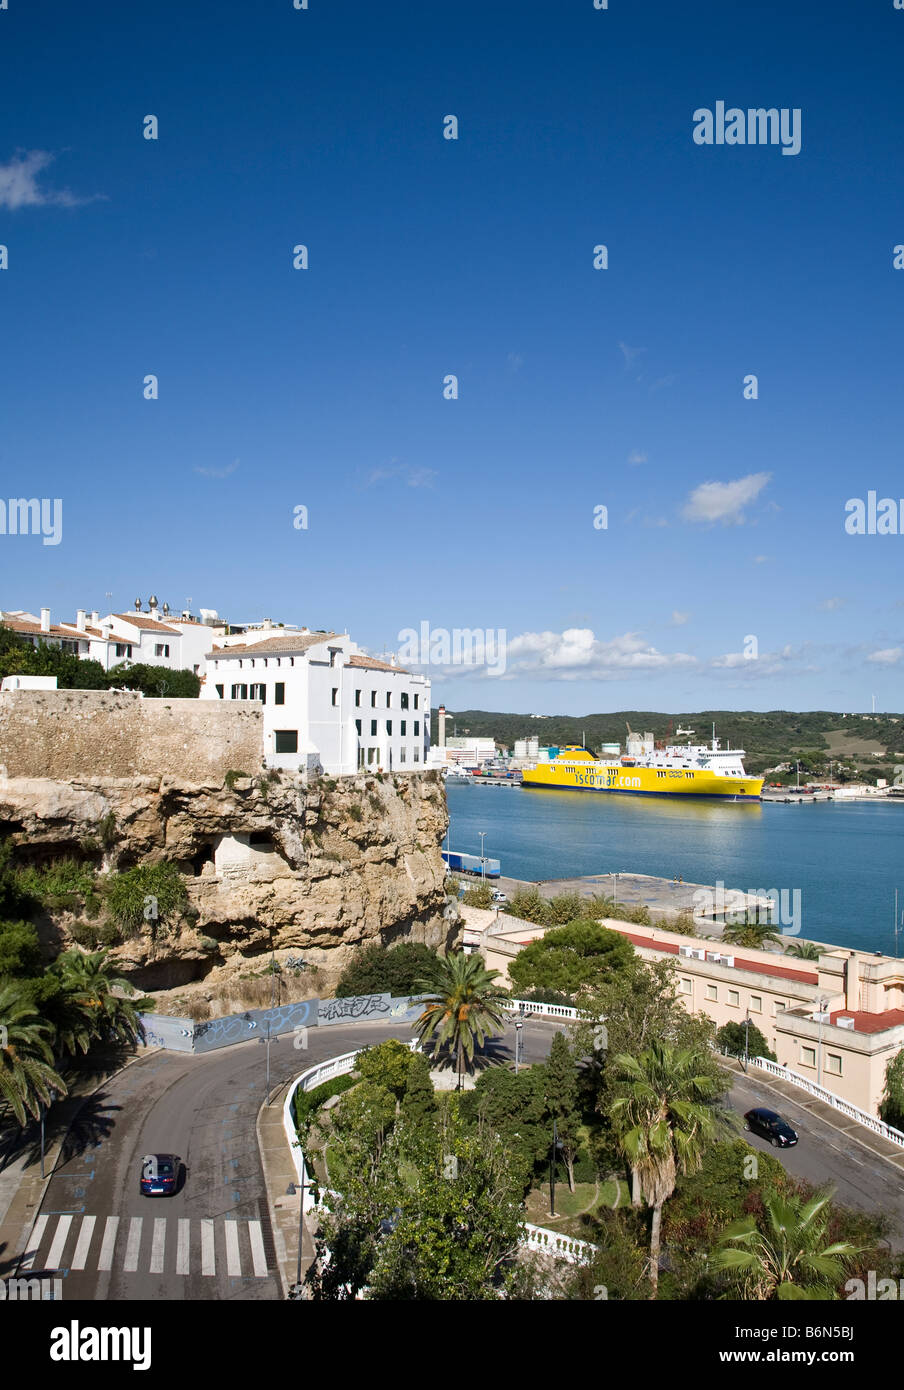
(645, 770)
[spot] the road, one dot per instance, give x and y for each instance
(213, 1240)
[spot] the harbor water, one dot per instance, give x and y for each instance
(845, 858)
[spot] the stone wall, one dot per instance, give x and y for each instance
(65, 734)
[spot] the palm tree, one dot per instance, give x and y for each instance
(803, 950)
(791, 1259)
(27, 1078)
(663, 1124)
(753, 934)
(463, 1009)
(108, 1000)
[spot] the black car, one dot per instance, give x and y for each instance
(158, 1175)
(771, 1127)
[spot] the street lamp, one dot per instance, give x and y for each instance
(747, 1021)
(556, 1146)
(290, 1192)
(274, 973)
(519, 1024)
(483, 862)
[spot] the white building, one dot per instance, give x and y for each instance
(153, 638)
(324, 700)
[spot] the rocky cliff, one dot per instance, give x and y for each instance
(307, 869)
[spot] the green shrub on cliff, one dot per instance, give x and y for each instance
(378, 971)
(151, 893)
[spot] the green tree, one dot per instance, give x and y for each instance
(663, 1121)
(569, 958)
(527, 904)
(561, 1096)
(733, 1039)
(386, 1064)
(792, 1258)
(892, 1107)
(752, 933)
(803, 950)
(20, 950)
(419, 1105)
(513, 1107)
(463, 1007)
(157, 681)
(27, 1076)
(376, 970)
(479, 895)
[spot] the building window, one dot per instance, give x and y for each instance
(389, 726)
(808, 1056)
(373, 731)
(778, 1007)
(402, 755)
(734, 997)
(372, 754)
(220, 691)
(357, 697)
(404, 699)
(259, 692)
(161, 648)
(417, 755)
(335, 697)
(417, 726)
(285, 741)
(334, 652)
(69, 646)
(416, 698)
(756, 1003)
(389, 699)
(123, 649)
(279, 693)
(358, 731)
(373, 699)
(403, 726)
(686, 987)
(240, 692)
(833, 1063)
(712, 992)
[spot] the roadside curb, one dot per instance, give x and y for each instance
(279, 1171)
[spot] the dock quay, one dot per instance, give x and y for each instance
(665, 897)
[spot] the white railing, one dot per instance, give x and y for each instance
(531, 1006)
(845, 1107)
(555, 1243)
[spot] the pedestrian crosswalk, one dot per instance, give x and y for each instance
(148, 1245)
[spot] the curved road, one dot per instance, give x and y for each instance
(213, 1238)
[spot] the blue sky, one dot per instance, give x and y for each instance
(578, 388)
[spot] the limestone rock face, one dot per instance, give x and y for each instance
(274, 862)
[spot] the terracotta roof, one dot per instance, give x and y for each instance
(373, 664)
(20, 625)
(89, 631)
(759, 967)
(870, 1023)
(300, 643)
(152, 624)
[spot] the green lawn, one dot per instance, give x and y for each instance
(571, 1206)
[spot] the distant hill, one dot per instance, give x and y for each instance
(768, 738)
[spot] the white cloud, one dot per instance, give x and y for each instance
(636, 456)
(888, 656)
(411, 477)
(629, 353)
(577, 654)
(19, 183)
(218, 472)
(724, 502)
(678, 618)
(788, 661)
(760, 559)
(830, 605)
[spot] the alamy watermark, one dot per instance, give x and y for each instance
(31, 1289)
(770, 907)
(756, 126)
(877, 516)
(33, 516)
(460, 646)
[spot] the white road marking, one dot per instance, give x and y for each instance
(258, 1258)
(208, 1261)
(182, 1246)
(80, 1258)
(133, 1245)
(233, 1259)
(158, 1245)
(37, 1235)
(105, 1259)
(55, 1253)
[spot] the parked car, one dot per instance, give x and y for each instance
(499, 898)
(770, 1126)
(158, 1175)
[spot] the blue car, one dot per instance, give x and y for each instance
(158, 1175)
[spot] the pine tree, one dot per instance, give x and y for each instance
(562, 1100)
(419, 1100)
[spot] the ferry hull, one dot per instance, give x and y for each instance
(643, 781)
